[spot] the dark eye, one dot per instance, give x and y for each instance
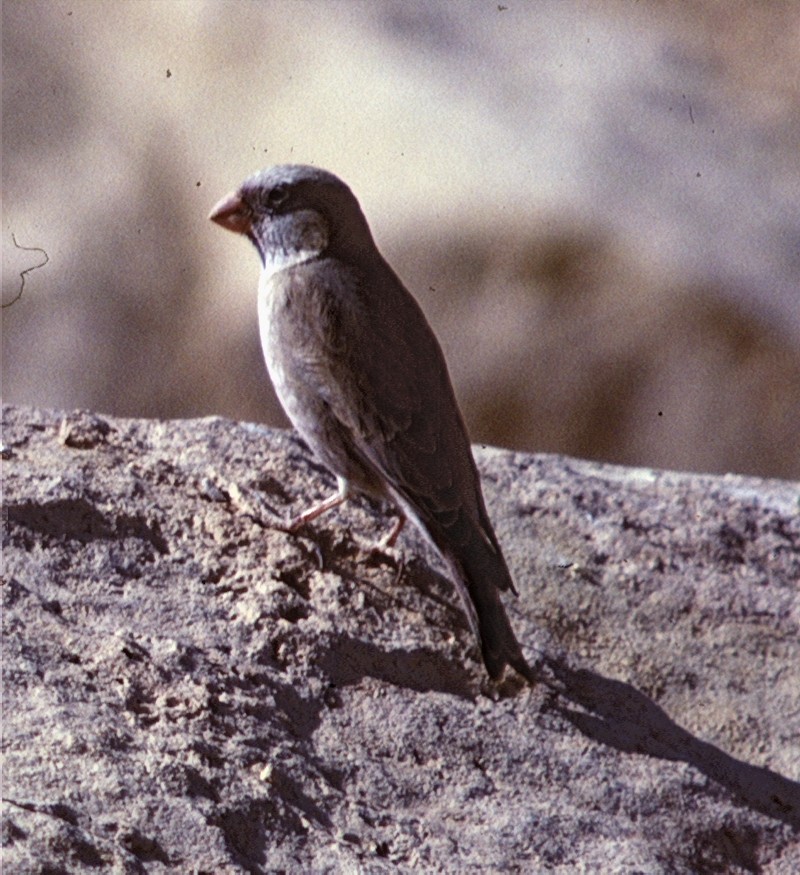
(277, 196)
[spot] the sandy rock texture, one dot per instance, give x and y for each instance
(190, 689)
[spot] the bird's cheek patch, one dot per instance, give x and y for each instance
(294, 239)
(312, 231)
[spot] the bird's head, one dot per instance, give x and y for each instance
(293, 212)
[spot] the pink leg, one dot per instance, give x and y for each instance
(391, 539)
(340, 497)
(323, 507)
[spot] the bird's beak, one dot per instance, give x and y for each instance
(232, 213)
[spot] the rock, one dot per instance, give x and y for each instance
(188, 688)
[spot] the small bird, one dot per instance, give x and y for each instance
(363, 379)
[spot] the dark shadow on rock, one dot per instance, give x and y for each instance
(79, 520)
(627, 720)
(198, 786)
(245, 832)
(299, 713)
(293, 795)
(145, 848)
(57, 809)
(81, 847)
(350, 660)
(247, 828)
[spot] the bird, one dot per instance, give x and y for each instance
(362, 377)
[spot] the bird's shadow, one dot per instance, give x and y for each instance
(351, 660)
(608, 711)
(616, 714)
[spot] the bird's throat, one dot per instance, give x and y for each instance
(291, 243)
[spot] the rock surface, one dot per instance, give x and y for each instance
(190, 689)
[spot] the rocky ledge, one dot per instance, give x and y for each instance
(188, 688)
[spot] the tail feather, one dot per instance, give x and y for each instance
(481, 574)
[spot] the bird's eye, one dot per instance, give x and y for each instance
(277, 196)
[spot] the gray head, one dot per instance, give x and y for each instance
(291, 209)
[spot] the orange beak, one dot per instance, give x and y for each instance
(232, 213)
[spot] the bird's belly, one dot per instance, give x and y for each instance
(290, 356)
(284, 354)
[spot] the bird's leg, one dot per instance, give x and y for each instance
(342, 494)
(388, 541)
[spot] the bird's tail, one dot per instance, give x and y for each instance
(481, 574)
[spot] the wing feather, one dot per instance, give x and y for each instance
(391, 390)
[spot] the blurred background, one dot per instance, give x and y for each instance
(597, 205)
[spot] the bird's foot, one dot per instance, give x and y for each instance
(384, 549)
(388, 541)
(250, 502)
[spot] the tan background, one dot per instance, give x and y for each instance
(597, 204)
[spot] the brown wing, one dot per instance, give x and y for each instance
(384, 377)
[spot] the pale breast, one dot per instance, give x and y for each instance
(291, 344)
